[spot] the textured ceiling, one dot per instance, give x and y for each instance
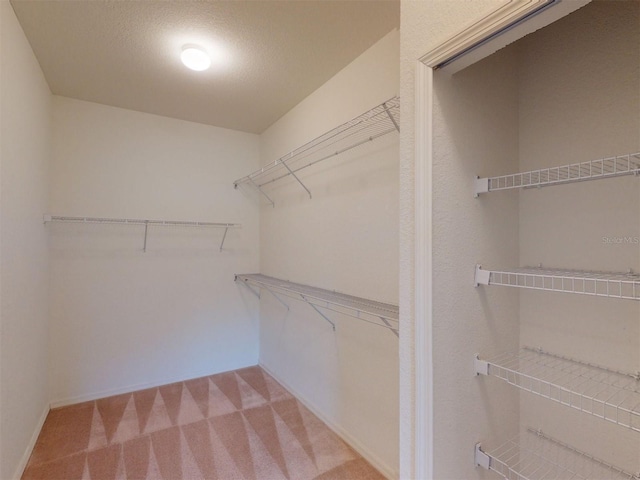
(126, 53)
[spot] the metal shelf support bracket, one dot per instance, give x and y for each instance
(480, 185)
(262, 192)
(482, 277)
(393, 120)
(276, 297)
(481, 366)
(386, 322)
(482, 459)
(296, 177)
(333, 325)
(257, 294)
(146, 230)
(223, 237)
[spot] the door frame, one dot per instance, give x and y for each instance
(499, 27)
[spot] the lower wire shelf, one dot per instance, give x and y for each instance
(377, 313)
(607, 394)
(533, 455)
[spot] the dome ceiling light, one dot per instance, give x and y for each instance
(195, 58)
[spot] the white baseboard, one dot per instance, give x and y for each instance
(341, 432)
(63, 402)
(31, 445)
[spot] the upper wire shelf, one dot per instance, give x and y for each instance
(599, 284)
(377, 122)
(533, 455)
(593, 389)
(377, 313)
(575, 172)
(145, 222)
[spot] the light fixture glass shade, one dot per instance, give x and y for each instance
(195, 58)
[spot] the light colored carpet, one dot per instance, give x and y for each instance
(234, 425)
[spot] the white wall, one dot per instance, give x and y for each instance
(580, 100)
(475, 133)
(423, 26)
(123, 319)
(25, 116)
(343, 239)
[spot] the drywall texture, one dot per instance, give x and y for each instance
(123, 319)
(580, 100)
(25, 117)
(267, 56)
(557, 109)
(475, 132)
(343, 239)
(424, 25)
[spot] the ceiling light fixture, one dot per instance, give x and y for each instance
(195, 58)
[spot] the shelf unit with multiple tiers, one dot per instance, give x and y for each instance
(380, 121)
(595, 390)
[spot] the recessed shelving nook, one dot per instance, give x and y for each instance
(376, 313)
(538, 111)
(378, 122)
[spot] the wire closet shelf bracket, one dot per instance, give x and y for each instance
(377, 313)
(377, 122)
(609, 167)
(599, 284)
(608, 394)
(146, 223)
(532, 455)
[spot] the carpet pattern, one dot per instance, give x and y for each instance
(234, 425)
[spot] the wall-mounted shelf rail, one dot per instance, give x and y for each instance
(535, 456)
(608, 394)
(599, 284)
(575, 172)
(377, 122)
(377, 313)
(145, 223)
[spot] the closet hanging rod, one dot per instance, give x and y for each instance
(145, 222)
(532, 455)
(329, 155)
(137, 221)
(378, 313)
(576, 172)
(599, 284)
(608, 394)
(377, 122)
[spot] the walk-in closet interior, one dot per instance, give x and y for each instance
(165, 231)
(376, 238)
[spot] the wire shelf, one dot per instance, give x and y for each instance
(533, 455)
(145, 222)
(377, 122)
(599, 284)
(596, 390)
(575, 172)
(377, 313)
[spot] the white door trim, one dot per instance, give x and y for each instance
(423, 277)
(485, 27)
(500, 27)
